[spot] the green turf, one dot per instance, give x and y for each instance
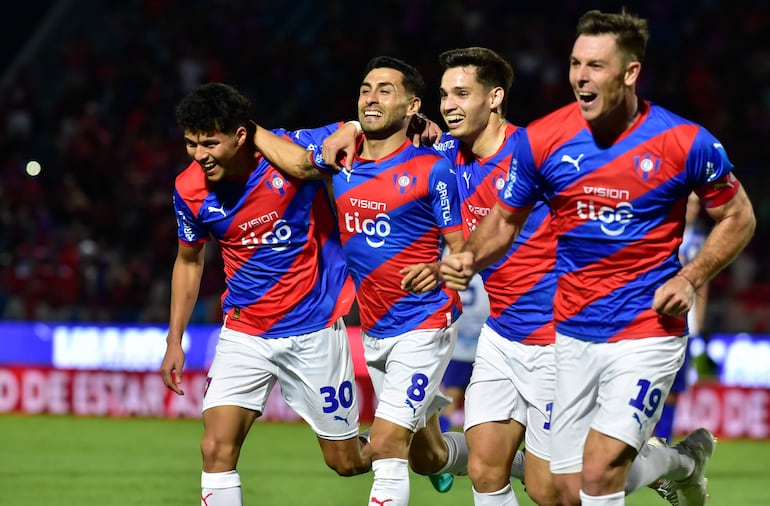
(65, 461)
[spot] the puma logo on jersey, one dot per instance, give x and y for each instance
(381, 503)
(467, 178)
(220, 210)
(574, 161)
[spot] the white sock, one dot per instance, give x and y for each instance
(652, 464)
(616, 499)
(517, 466)
(391, 482)
(503, 497)
(221, 489)
(457, 454)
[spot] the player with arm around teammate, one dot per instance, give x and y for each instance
(396, 205)
(617, 170)
(287, 289)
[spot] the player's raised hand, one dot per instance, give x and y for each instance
(172, 366)
(456, 270)
(339, 148)
(420, 278)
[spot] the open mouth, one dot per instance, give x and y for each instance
(586, 97)
(372, 114)
(453, 119)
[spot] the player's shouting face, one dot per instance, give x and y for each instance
(601, 76)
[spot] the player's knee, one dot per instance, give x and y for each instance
(384, 447)
(219, 454)
(487, 478)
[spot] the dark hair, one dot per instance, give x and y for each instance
(632, 31)
(215, 107)
(492, 70)
(413, 81)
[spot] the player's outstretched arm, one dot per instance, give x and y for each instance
(185, 284)
(486, 245)
(286, 156)
(494, 235)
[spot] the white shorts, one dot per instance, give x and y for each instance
(314, 370)
(617, 389)
(513, 381)
(406, 373)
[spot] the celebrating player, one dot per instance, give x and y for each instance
(287, 288)
(396, 205)
(617, 171)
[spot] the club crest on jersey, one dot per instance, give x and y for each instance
(646, 166)
(499, 183)
(404, 182)
(277, 185)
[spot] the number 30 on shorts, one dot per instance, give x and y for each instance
(336, 397)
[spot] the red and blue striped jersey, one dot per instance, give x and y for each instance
(284, 268)
(618, 213)
(521, 285)
(392, 213)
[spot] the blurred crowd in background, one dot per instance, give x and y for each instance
(91, 90)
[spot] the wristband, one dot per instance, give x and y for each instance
(356, 124)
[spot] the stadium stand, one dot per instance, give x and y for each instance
(89, 94)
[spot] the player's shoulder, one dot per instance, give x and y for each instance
(663, 115)
(561, 124)
(675, 130)
(569, 113)
(191, 183)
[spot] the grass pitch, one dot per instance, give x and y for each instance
(68, 461)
